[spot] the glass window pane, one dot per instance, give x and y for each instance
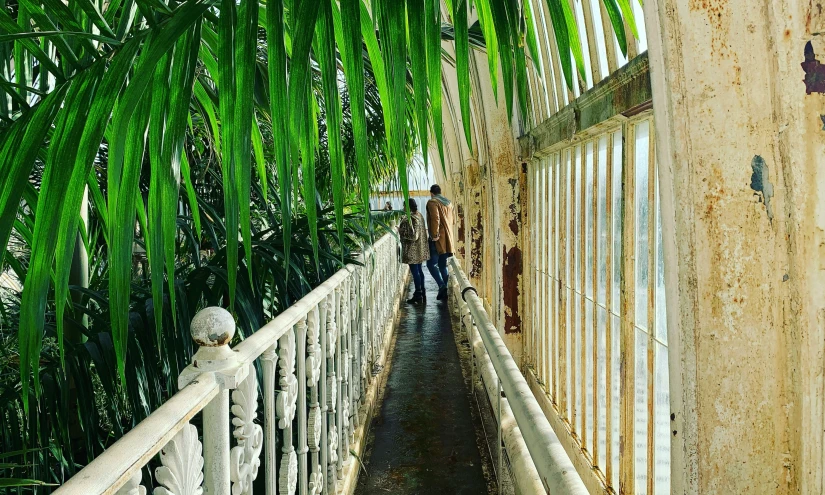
(588, 220)
(661, 427)
(569, 352)
(577, 219)
(568, 211)
(661, 313)
(556, 161)
(601, 396)
(577, 7)
(617, 219)
(639, 17)
(588, 376)
(640, 164)
(577, 358)
(640, 413)
(620, 57)
(602, 220)
(615, 406)
(601, 48)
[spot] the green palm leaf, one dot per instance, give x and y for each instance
(226, 105)
(325, 33)
(300, 111)
(462, 65)
(432, 32)
(276, 56)
(350, 44)
(416, 19)
(246, 46)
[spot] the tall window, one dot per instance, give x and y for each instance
(598, 344)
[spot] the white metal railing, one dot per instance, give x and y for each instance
(315, 360)
(553, 466)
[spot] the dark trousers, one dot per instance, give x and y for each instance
(418, 277)
(437, 265)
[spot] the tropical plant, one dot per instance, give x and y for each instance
(276, 117)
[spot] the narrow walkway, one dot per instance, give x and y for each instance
(422, 441)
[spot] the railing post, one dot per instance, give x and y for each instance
(212, 329)
(268, 362)
(303, 464)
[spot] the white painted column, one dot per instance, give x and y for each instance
(741, 152)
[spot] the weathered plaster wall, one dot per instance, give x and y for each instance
(741, 148)
(486, 181)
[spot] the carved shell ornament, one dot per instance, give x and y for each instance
(245, 457)
(181, 472)
(288, 473)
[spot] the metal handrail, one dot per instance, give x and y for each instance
(556, 470)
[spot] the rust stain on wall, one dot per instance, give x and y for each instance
(477, 246)
(515, 216)
(461, 238)
(512, 268)
(815, 20)
(718, 14)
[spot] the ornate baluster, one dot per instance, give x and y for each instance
(133, 486)
(286, 405)
(303, 471)
(339, 409)
(346, 322)
(245, 457)
(351, 363)
(331, 391)
(324, 447)
(268, 362)
(357, 370)
(315, 421)
(181, 472)
(212, 329)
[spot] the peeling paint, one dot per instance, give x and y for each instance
(461, 231)
(477, 246)
(814, 71)
(761, 183)
(511, 270)
(514, 207)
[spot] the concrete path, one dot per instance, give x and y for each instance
(422, 441)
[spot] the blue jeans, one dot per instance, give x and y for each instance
(437, 264)
(418, 276)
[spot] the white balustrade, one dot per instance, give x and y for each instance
(316, 360)
(538, 461)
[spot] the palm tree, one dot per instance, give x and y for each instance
(124, 101)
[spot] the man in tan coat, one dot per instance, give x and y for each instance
(439, 224)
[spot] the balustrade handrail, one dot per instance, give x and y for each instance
(330, 335)
(257, 343)
(556, 470)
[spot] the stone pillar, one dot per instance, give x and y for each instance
(738, 101)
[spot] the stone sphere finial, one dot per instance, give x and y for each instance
(212, 327)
